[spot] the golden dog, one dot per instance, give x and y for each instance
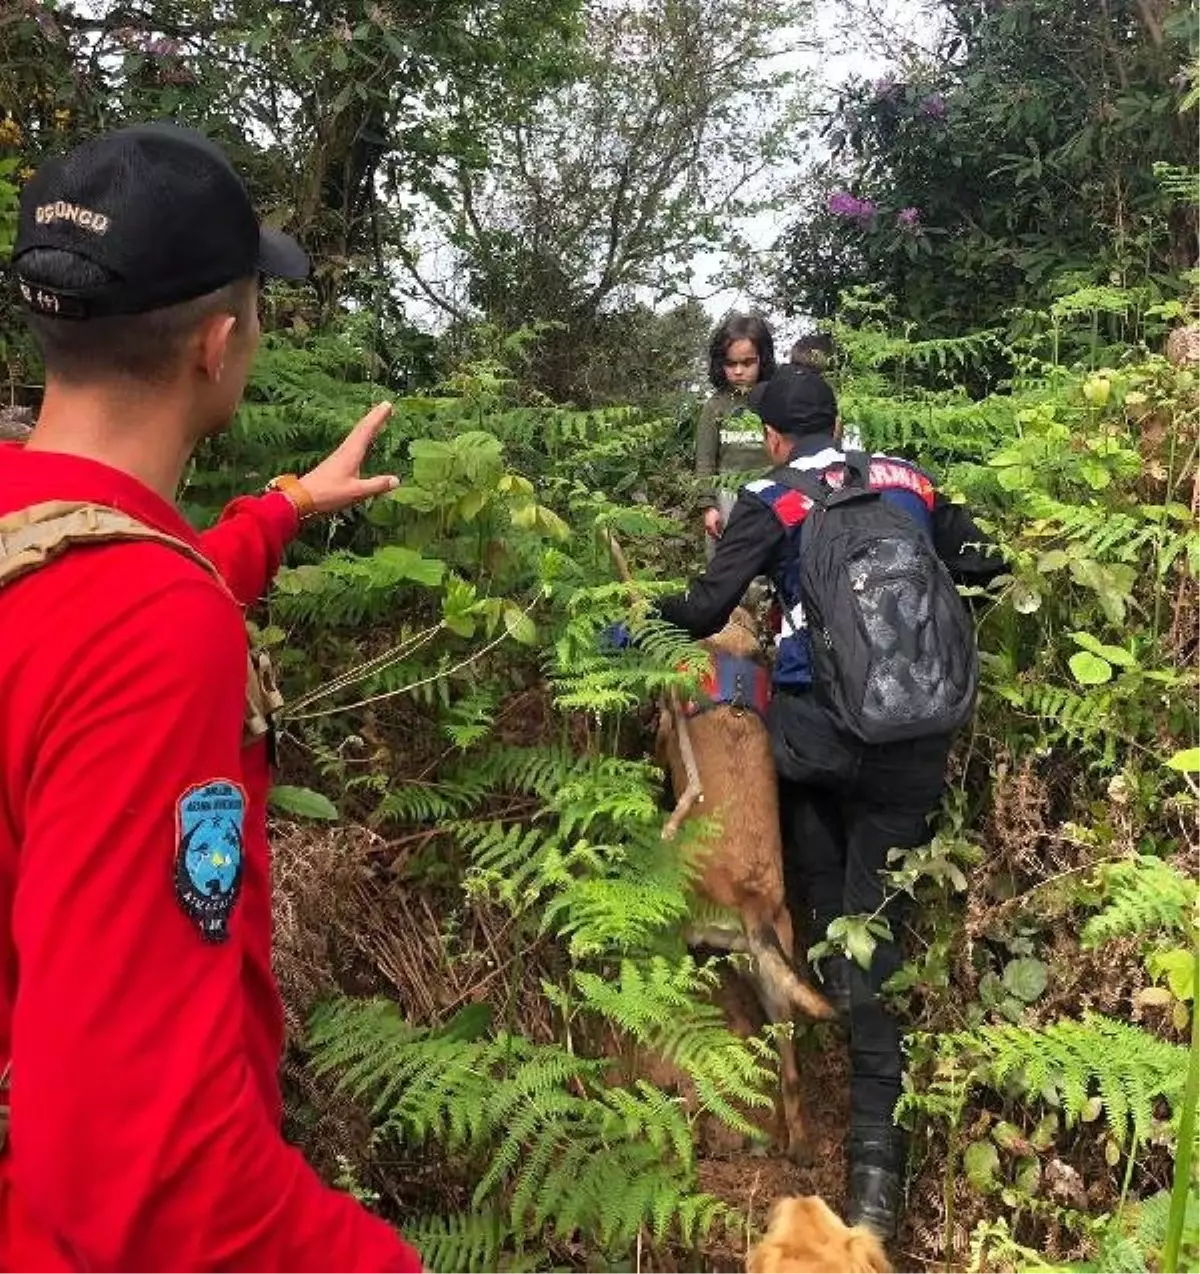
(805, 1236)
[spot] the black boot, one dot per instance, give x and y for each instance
(876, 1172)
(834, 973)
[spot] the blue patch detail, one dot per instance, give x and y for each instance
(210, 820)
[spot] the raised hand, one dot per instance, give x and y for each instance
(336, 483)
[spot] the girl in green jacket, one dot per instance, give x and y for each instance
(728, 438)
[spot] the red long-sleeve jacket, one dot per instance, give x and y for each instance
(145, 1103)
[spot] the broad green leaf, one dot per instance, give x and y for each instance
(458, 607)
(301, 579)
(1008, 1136)
(1028, 1174)
(1095, 475)
(514, 484)
(1112, 584)
(1089, 669)
(520, 627)
(1053, 560)
(1179, 968)
(472, 504)
(1025, 599)
(1016, 477)
(458, 623)
(303, 802)
(981, 1163)
(432, 461)
(406, 564)
(414, 497)
(1042, 1137)
(1187, 761)
(859, 943)
(549, 522)
(1114, 654)
(1025, 978)
(991, 992)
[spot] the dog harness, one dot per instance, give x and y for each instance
(736, 681)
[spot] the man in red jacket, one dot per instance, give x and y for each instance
(140, 1024)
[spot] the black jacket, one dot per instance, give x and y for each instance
(754, 542)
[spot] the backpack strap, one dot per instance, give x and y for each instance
(852, 484)
(803, 480)
(34, 536)
(858, 470)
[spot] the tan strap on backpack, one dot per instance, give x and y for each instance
(33, 536)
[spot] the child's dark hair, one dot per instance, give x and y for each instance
(814, 350)
(740, 327)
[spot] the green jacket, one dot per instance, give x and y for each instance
(729, 440)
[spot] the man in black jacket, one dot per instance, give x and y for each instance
(844, 803)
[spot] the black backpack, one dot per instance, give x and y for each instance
(893, 647)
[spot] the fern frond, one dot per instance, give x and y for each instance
(646, 994)
(1143, 896)
(645, 1112)
(1104, 533)
(570, 1151)
(533, 771)
(423, 802)
(599, 916)
(1130, 1068)
(1065, 713)
(662, 1005)
(462, 1241)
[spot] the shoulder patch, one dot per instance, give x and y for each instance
(209, 822)
(787, 504)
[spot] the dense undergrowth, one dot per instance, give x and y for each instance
(497, 1034)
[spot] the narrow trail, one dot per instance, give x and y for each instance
(752, 1180)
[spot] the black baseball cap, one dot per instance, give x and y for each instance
(795, 400)
(157, 206)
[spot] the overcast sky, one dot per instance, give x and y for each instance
(847, 48)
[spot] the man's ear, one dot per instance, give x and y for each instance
(212, 346)
(776, 445)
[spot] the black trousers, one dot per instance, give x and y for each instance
(844, 805)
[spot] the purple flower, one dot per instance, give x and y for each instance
(909, 218)
(934, 107)
(162, 47)
(842, 204)
(888, 88)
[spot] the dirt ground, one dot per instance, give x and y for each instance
(751, 1181)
